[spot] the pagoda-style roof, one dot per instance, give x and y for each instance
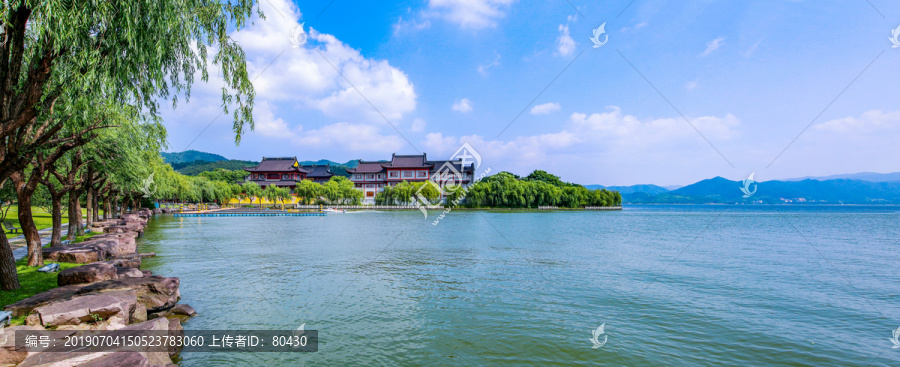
(318, 171)
(284, 164)
(368, 167)
(457, 165)
(408, 161)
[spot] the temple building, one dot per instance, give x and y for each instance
(370, 177)
(281, 172)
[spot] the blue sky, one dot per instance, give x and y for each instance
(748, 76)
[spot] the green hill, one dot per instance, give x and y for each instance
(194, 168)
(191, 156)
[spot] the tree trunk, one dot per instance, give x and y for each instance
(9, 277)
(29, 229)
(96, 211)
(74, 216)
(24, 189)
(57, 220)
(79, 218)
(89, 205)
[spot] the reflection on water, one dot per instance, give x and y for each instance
(750, 285)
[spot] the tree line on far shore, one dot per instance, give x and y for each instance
(506, 190)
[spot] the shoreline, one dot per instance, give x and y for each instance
(107, 291)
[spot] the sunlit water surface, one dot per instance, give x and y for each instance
(675, 285)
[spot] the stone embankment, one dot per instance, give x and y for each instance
(109, 292)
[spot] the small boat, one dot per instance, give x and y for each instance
(331, 210)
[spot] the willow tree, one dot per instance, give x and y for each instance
(138, 53)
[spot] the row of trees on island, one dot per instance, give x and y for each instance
(506, 190)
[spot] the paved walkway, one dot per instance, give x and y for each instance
(22, 251)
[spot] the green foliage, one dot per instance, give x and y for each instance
(340, 190)
(505, 190)
(197, 167)
(225, 175)
(308, 191)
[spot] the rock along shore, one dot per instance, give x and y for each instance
(109, 292)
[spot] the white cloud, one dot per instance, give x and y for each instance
(352, 137)
(462, 105)
(545, 108)
(712, 46)
(873, 121)
(691, 85)
(267, 124)
(565, 45)
(600, 139)
(418, 125)
(471, 14)
(306, 76)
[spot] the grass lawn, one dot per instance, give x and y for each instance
(32, 281)
(42, 218)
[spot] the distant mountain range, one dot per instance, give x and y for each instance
(722, 190)
(649, 189)
(192, 162)
(865, 176)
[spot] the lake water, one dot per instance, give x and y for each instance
(705, 285)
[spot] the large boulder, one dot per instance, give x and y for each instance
(125, 262)
(89, 273)
(155, 358)
(25, 306)
(10, 355)
(85, 308)
(128, 227)
(155, 292)
(183, 309)
(78, 253)
(128, 273)
(126, 242)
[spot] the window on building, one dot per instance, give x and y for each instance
(285, 176)
(422, 174)
(371, 177)
(394, 174)
(261, 176)
(357, 177)
(407, 173)
(380, 176)
(272, 176)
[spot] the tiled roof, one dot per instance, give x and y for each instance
(408, 161)
(457, 165)
(264, 184)
(277, 165)
(318, 171)
(368, 167)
